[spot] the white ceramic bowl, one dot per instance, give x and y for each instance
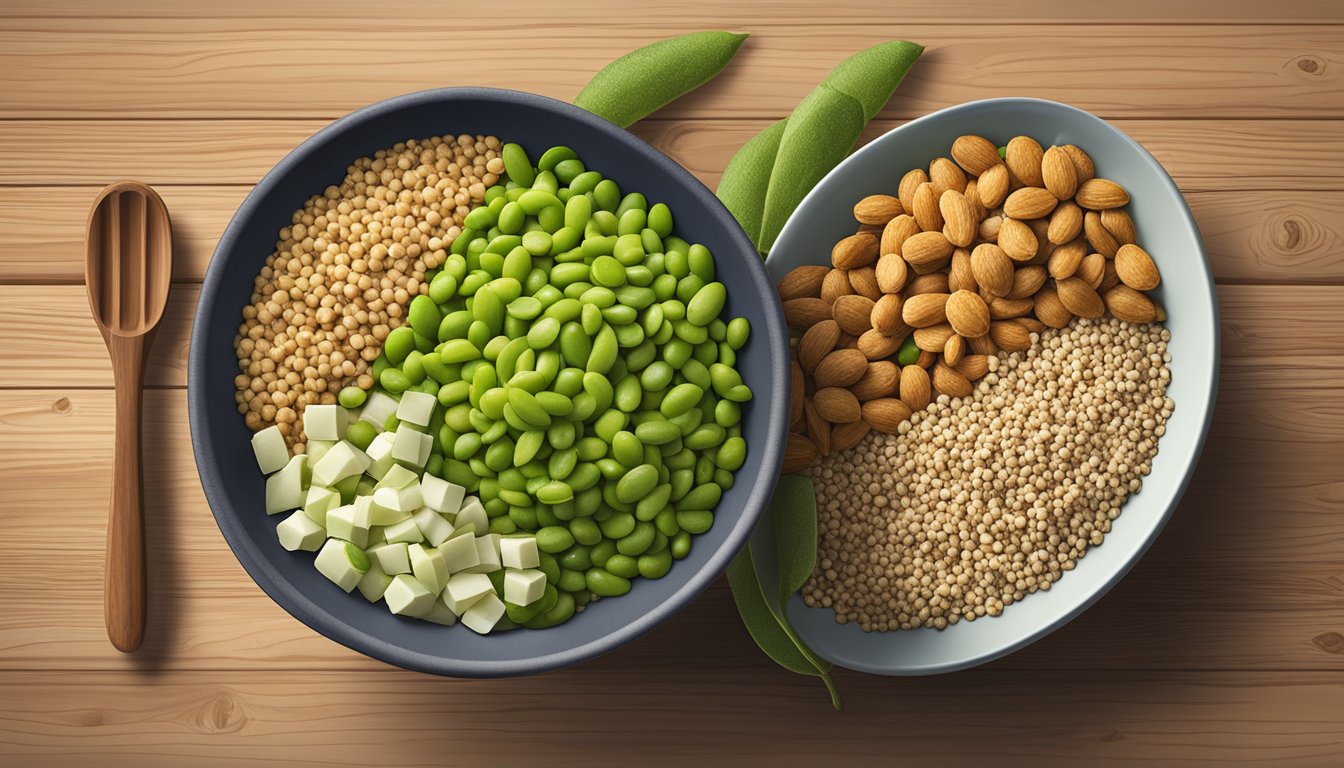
(1165, 229)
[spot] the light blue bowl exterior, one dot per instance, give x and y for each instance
(1165, 228)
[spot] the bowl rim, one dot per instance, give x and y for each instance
(299, 605)
(1210, 363)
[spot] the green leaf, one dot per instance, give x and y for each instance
(744, 182)
(646, 79)
(793, 512)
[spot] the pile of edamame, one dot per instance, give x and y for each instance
(585, 379)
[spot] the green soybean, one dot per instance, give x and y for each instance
(518, 165)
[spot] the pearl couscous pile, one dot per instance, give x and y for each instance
(346, 268)
(982, 500)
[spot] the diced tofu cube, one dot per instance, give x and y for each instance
(269, 447)
(342, 461)
(433, 526)
(299, 531)
(397, 477)
(350, 523)
(380, 515)
(407, 597)
(405, 499)
(487, 552)
(519, 552)
(374, 582)
(324, 422)
(428, 566)
(392, 557)
(524, 587)
(319, 502)
(406, 532)
(440, 614)
(411, 447)
(484, 614)
(444, 497)
(472, 515)
(342, 562)
(463, 589)
(460, 553)
(416, 407)
(285, 489)
(316, 449)
(380, 455)
(377, 408)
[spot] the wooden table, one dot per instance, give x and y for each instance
(1225, 644)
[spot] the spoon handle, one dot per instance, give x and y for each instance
(124, 589)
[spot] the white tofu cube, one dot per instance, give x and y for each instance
(380, 515)
(324, 422)
(397, 477)
(484, 614)
(472, 515)
(433, 526)
(519, 552)
(440, 614)
(342, 461)
(316, 449)
(411, 447)
(377, 408)
(319, 502)
(405, 499)
(524, 587)
(407, 597)
(392, 557)
(299, 531)
(460, 553)
(416, 407)
(487, 552)
(342, 562)
(428, 566)
(349, 523)
(405, 532)
(374, 582)
(269, 447)
(444, 497)
(463, 589)
(285, 489)
(380, 456)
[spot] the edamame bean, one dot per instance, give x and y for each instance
(352, 397)
(606, 583)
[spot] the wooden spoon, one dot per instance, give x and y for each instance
(128, 267)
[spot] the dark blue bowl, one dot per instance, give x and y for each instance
(229, 474)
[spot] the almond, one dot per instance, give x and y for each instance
(846, 436)
(989, 228)
(847, 341)
(944, 175)
(960, 276)
(924, 310)
(891, 272)
(1008, 309)
(803, 313)
(876, 345)
(897, 231)
(877, 209)
(1102, 240)
(927, 358)
(983, 345)
(799, 453)
(1058, 173)
(934, 282)
(1017, 240)
(992, 187)
(934, 338)
(926, 248)
(967, 313)
(1050, 310)
(1065, 223)
(1064, 260)
(836, 405)
(1023, 157)
(947, 381)
(886, 316)
(1032, 324)
(840, 368)
(1136, 268)
(906, 190)
(1026, 282)
(976, 154)
(915, 387)
(852, 312)
(818, 429)
(1029, 203)
(1129, 305)
(799, 426)
(1082, 163)
(797, 391)
(855, 251)
(817, 342)
(880, 380)
(835, 285)
(863, 281)
(1100, 194)
(973, 367)
(1092, 269)
(885, 415)
(954, 349)
(800, 282)
(972, 195)
(959, 220)
(1109, 278)
(1009, 335)
(926, 212)
(1080, 298)
(992, 268)
(1120, 225)
(869, 229)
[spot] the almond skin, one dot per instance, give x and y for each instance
(846, 436)
(976, 154)
(973, 367)
(1082, 162)
(992, 268)
(906, 190)
(1136, 268)
(926, 248)
(992, 186)
(855, 251)
(989, 228)
(891, 272)
(934, 282)
(886, 317)
(803, 313)
(954, 349)
(967, 313)
(835, 285)
(840, 368)
(1032, 324)
(1009, 335)
(852, 312)
(1130, 305)
(799, 453)
(817, 342)
(916, 390)
(1120, 225)
(947, 381)
(1100, 194)
(960, 276)
(881, 379)
(926, 211)
(1102, 240)
(925, 310)
(1030, 203)
(1018, 240)
(1065, 223)
(944, 175)
(1109, 277)
(1027, 281)
(863, 281)
(1064, 261)
(877, 209)
(885, 415)
(959, 220)
(1058, 173)
(983, 346)
(818, 430)
(876, 345)
(1092, 269)
(1050, 310)
(837, 405)
(797, 391)
(800, 282)
(1009, 309)
(934, 338)
(1023, 157)
(897, 231)
(1079, 297)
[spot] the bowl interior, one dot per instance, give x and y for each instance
(235, 490)
(1165, 228)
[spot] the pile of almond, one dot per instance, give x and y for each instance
(970, 257)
